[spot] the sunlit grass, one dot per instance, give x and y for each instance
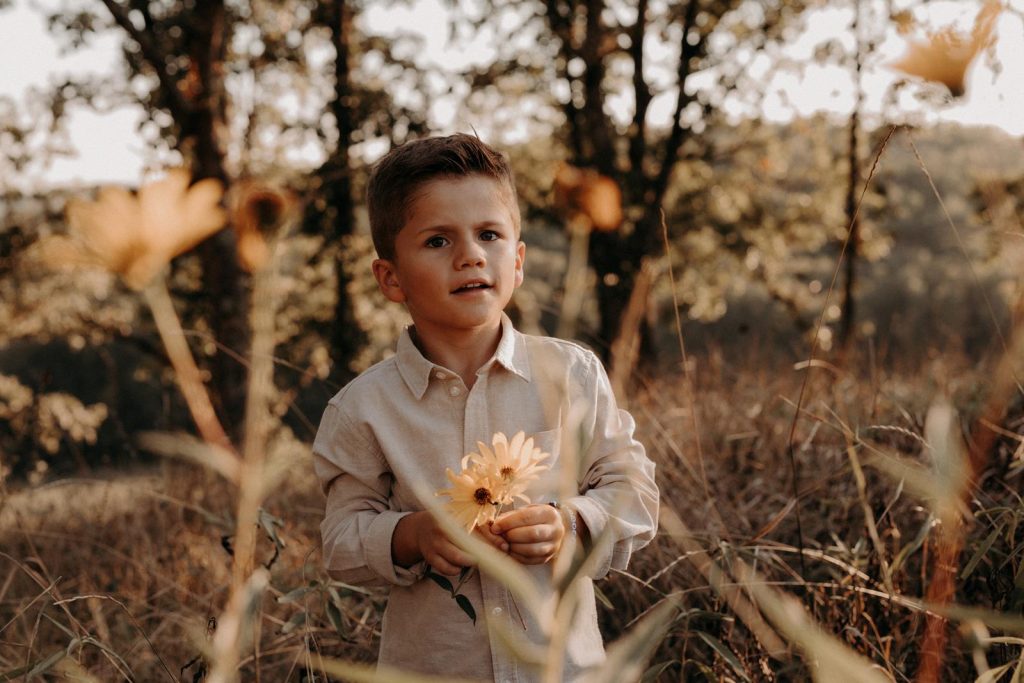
(131, 571)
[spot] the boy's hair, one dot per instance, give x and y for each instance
(398, 175)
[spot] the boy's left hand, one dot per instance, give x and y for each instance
(534, 533)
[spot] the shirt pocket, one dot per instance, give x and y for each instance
(550, 442)
(547, 486)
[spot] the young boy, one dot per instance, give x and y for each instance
(445, 222)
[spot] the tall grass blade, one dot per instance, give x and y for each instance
(993, 675)
(828, 659)
(725, 653)
(371, 673)
(627, 657)
(982, 551)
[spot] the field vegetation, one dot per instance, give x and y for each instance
(817, 325)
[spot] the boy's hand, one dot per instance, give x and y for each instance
(419, 537)
(534, 533)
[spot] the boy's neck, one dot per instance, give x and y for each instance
(461, 351)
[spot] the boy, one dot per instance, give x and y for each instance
(445, 222)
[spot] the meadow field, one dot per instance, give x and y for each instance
(792, 230)
(123, 574)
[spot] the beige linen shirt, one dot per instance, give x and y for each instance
(395, 429)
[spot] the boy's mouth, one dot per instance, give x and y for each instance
(471, 287)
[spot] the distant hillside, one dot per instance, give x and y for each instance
(923, 292)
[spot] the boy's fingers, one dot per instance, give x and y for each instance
(532, 553)
(451, 563)
(442, 566)
(447, 559)
(528, 516)
(492, 538)
(535, 533)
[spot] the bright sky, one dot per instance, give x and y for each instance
(106, 147)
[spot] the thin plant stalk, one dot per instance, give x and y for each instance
(252, 489)
(186, 372)
(791, 440)
(575, 278)
(942, 588)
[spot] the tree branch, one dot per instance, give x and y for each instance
(675, 140)
(642, 96)
(180, 108)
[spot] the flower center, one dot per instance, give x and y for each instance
(507, 472)
(482, 496)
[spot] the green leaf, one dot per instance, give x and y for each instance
(270, 525)
(652, 674)
(298, 619)
(915, 545)
(980, 553)
(336, 618)
(725, 653)
(707, 671)
(466, 606)
(296, 594)
(441, 581)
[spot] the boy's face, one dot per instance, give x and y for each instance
(457, 258)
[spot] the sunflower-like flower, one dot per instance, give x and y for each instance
(136, 235)
(472, 500)
(511, 465)
(945, 56)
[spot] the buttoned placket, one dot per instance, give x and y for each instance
(477, 427)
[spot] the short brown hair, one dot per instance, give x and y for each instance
(399, 173)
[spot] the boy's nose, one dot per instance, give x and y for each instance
(470, 255)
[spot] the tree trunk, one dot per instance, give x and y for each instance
(346, 337)
(224, 284)
(848, 319)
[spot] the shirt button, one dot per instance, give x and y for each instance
(496, 611)
(454, 390)
(440, 375)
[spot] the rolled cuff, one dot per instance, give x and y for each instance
(377, 543)
(596, 519)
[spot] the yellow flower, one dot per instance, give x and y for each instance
(510, 465)
(471, 498)
(946, 54)
(136, 235)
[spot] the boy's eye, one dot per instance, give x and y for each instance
(489, 236)
(436, 242)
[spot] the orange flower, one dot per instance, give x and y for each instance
(584, 194)
(258, 211)
(136, 235)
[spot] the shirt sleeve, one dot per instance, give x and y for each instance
(358, 519)
(618, 493)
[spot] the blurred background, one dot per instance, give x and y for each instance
(840, 181)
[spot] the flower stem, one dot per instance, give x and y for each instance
(185, 370)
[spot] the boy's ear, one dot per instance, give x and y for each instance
(387, 279)
(520, 260)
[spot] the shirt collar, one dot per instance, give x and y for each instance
(415, 369)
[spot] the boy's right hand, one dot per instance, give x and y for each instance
(418, 536)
